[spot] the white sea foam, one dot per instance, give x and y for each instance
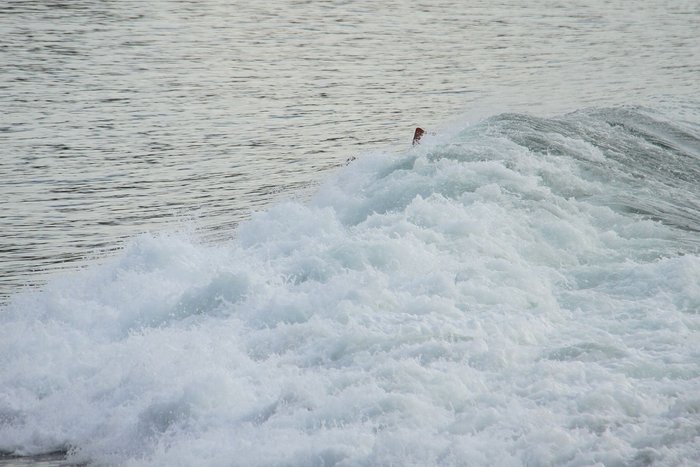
(490, 299)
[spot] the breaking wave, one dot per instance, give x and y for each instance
(525, 291)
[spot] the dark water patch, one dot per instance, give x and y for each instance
(52, 459)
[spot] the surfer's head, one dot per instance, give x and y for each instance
(417, 135)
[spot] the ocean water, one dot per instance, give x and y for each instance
(124, 117)
(208, 282)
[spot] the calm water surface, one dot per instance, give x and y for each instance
(125, 116)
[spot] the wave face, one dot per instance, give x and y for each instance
(526, 291)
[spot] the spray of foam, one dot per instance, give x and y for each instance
(477, 300)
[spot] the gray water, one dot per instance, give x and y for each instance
(520, 292)
(120, 117)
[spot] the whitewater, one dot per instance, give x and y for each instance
(519, 290)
